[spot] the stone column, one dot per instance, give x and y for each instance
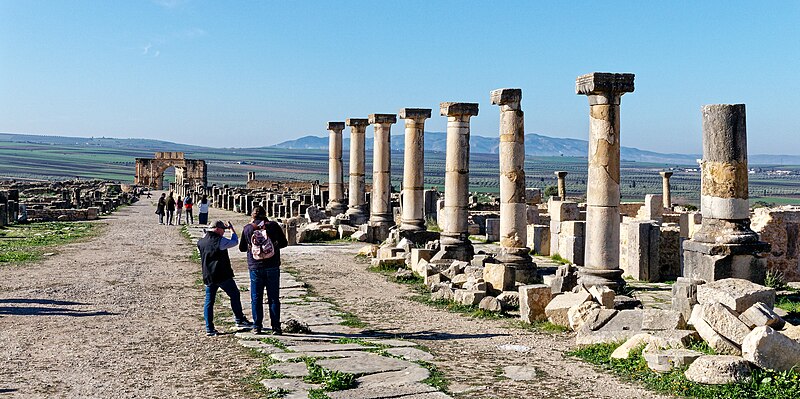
(413, 218)
(454, 240)
(513, 209)
(336, 203)
(604, 91)
(357, 207)
(665, 194)
(381, 217)
(724, 246)
(562, 184)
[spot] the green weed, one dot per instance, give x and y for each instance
(558, 259)
(331, 380)
(436, 378)
(544, 326)
(20, 243)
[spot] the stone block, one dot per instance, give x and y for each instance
(558, 308)
(346, 231)
(474, 271)
(533, 299)
(435, 278)
(718, 369)
(716, 341)
(539, 239)
(603, 295)
(498, 277)
(689, 223)
(736, 294)
(624, 351)
(639, 244)
(657, 319)
(669, 252)
(684, 295)
(459, 280)
(598, 318)
(562, 211)
(712, 262)
(481, 260)
(572, 241)
(468, 298)
(490, 304)
(393, 263)
(533, 196)
(577, 315)
(769, 349)
(492, 229)
(653, 208)
(663, 361)
(625, 320)
(509, 300)
(532, 214)
(761, 315)
(443, 294)
(473, 229)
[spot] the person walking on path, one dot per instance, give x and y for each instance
(203, 215)
(170, 208)
(187, 203)
(179, 209)
(263, 261)
(162, 203)
(218, 274)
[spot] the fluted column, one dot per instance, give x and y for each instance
(357, 208)
(336, 203)
(513, 209)
(381, 217)
(413, 216)
(665, 190)
(454, 240)
(604, 91)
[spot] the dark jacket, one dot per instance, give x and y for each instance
(170, 204)
(216, 263)
(275, 234)
(160, 207)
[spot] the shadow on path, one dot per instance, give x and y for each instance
(58, 308)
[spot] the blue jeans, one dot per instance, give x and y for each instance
(268, 278)
(230, 288)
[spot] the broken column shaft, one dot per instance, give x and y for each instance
(381, 217)
(562, 184)
(357, 208)
(336, 203)
(513, 209)
(665, 192)
(413, 216)
(604, 91)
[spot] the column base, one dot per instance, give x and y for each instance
(417, 239)
(611, 278)
(336, 208)
(711, 261)
(380, 230)
(723, 231)
(521, 261)
(356, 216)
(456, 248)
(413, 225)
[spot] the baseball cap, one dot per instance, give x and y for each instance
(219, 225)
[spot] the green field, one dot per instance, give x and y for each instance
(52, 161)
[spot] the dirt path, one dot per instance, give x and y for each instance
(117, 316)
(466, 349)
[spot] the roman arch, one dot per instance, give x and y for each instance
(150, 171)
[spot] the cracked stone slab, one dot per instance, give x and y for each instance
(364, 364)
(519, 373)
(327, 347)
(289, 384)
(391, 342)
(428, 395)
(286, 356)
(384, 392)
(290, 369)
(412, 354)
(407, 375)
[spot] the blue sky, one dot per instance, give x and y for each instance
(258, 73)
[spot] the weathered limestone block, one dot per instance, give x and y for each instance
(639, 245)
(346, 231)
(684, 295)
(314, 214)
(539, 239)
(443, 294)
(577, 315)
(769, 349)
(657, 319)
(558, 308)
(669, 252)
(510, 300)
(491, 304)
(435, 278)
(760, 315)
(663, 361)
(572, 241)
(469, 298)
(792, 332)
(653, 208)
(498, 277)
(725, 322)
(624, 351)
(389, 263)
(737, 294)
(718, 369)
(781, 228)
(603, 295)
(560, 211)
(459, 279)
(598, 318)
(533, 299)
(418, 255)
(716, 341)
(690, 222)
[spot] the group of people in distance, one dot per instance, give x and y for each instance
(262, 240)
(170, 207)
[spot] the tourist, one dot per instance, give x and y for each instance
(162, 203)
(179, 209)
(218, 274)
(170, 208)
(187, 204)
(203, 215)
(264, 273)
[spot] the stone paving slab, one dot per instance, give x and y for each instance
(287, 356)
(412, 354)
(407, 375)
(290, 369)
(389, 391)
(364, 364)
(327, 348)
(391, 342)
(289, 384)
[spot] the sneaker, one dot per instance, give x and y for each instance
(244, 323)
(257, 330)
(277, 331)
(212, 333)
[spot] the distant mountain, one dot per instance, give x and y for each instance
(104, 142)
(535, 145)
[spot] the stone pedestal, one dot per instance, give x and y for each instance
(666, 195)
(604, 91)
(724, 246)
(562, 184)
(336, 204)
(357, 207)
(413, 214)
(513, 207)
(381, 217)
(454, 239)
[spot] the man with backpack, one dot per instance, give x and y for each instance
(218, 274)
(263, 239)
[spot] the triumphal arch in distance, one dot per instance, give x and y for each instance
(150, 171)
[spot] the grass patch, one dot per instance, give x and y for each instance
(28, 242)
(544, 326)
(432, 225)
(275, 342)
(763, 385)
(436, 378)
(775, 279)
(469, 310)
(558, 259)
(331, 380)
(350, 320)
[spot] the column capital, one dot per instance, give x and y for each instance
(336, 126)
(458, 109)
(357, 122)
(506, 96)
(560, 173)
(382, 118)
(415, 113)
(604, 83)
(665, 174)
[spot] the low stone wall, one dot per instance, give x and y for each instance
(63, 215)
(780, 227)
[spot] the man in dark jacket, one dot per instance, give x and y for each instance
(217, 273)
(162, 203)
(264, 273)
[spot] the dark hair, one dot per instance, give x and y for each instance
(259, 213)
(204, 199)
